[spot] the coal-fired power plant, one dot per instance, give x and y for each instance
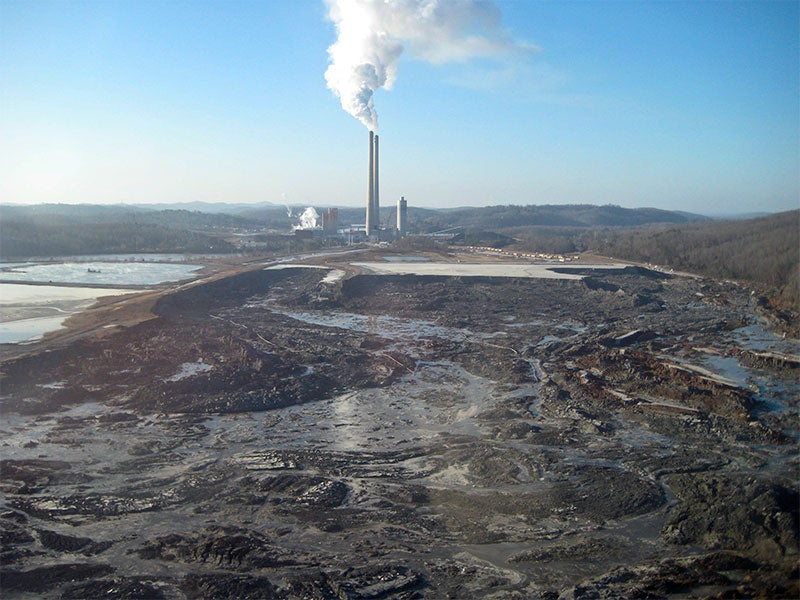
(373, 194)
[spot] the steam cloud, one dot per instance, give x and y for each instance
(308, 220)
(372, 35)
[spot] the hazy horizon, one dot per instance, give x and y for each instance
(298, 205)
(689, 106)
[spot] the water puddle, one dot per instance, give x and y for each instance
(729, 368)
(757, 338)
(777, 393)
(393, 328)
(189, 370)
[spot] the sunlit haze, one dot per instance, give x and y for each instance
(690, 106)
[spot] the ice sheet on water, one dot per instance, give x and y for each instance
(28, 330)
(106, 273)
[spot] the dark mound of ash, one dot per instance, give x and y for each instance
(270, 434)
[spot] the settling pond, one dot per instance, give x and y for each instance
(30, 307)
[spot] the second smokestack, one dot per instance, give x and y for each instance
(370, 184)
(376, 205)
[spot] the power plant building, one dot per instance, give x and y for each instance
(330, 221)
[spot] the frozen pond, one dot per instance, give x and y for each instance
(103, 273)
(28, 330)
(16, 294)
(27, 312)
(139, 257)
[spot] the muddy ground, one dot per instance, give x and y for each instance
(275, 434)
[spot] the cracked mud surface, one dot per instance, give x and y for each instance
(274, 435)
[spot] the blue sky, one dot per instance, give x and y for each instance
(690, 106)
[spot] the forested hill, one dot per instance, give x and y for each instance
(65, 214)
(23, 239)
(499, 218)
(765, 250)
(567, 215)
(68, 230)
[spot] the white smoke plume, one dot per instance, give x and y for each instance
(309, 219)
(372, 34)
(285, 205)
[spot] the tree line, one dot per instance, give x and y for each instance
(63, 214)
(22, 239)
(764, 251)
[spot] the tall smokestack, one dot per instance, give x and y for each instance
(402, 216)
(371, 184)
(376, 205)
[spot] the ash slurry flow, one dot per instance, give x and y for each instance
(275, 435)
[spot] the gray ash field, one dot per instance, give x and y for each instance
(277, 434)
